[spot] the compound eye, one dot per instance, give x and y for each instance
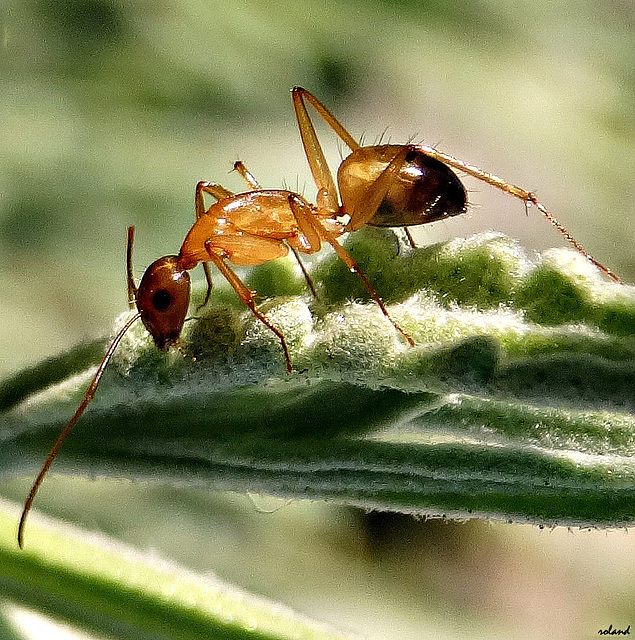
(162, 299)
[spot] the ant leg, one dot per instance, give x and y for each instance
(411, 240)
(315, 156)
(219, 192)
(303, 214)
(362, 211)
(305, 273)
(247, 297)
(328, 236)
(247, 176)
(517, 192)
(309, 137)
(319, 168)
(300, 95)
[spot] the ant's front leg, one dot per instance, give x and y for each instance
(246, 175)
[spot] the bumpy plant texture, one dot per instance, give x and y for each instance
(516, 402)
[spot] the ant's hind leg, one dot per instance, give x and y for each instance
(322, 175)
(301, 95)
(517, 192)
(313, 150)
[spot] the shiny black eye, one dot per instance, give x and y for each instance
(161, 300)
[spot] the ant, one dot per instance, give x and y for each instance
(245, 229)
(382, 185)
(394, 185)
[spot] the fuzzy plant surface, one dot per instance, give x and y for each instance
(515, 403)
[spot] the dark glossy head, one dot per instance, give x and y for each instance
(424, 191)
(163, 298)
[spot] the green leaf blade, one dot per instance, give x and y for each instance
(498, 411)
(103, 586)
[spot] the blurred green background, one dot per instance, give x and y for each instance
(112, 110)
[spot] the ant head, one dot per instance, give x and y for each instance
(162, 299)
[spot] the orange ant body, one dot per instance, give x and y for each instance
(382, 185)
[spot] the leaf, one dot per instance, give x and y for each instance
(516, 402)
(103, 586)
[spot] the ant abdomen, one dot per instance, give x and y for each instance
(162, 298)
(424, 189)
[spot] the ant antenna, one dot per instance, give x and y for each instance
(132, 287)
(88, 396)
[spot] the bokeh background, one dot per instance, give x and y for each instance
(112, 110)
